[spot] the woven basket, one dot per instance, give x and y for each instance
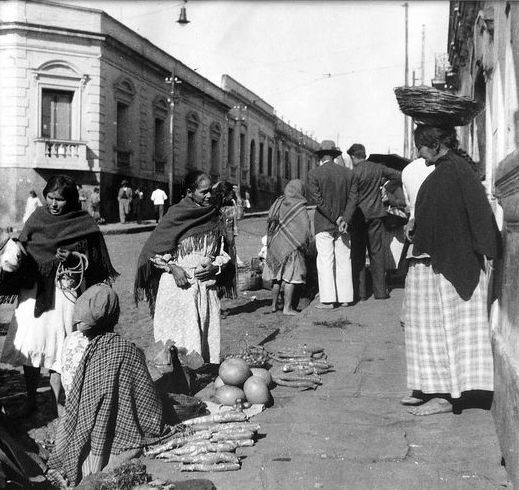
(248, 278)
(185, 406)
(427, 105)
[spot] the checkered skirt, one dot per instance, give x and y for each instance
(447, 339)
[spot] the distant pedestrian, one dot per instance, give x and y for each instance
(367, 224)
(159, 197)
(331, 187)
(95, 205)
(138, 196)
(83, 197)
(125, 198)
(33, 202)
(246, 201)
(288, 239)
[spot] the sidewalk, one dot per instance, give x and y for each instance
(352, 433)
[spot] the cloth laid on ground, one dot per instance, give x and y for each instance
(184, 219)
(77, 231)
(111, 408)
(455, 224)
(288, 227)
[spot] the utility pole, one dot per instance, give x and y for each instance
(407, 122)
(422, 63)
(172, 81)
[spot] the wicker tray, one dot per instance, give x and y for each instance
(185, 406)
(427, 105)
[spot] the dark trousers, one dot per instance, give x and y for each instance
(159, 212)
(367, 234)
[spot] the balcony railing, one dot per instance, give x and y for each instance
(123, 158)
(54, 153)
(160, 166)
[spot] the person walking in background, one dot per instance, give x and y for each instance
(95, 205)
(333, 191)
(83, 198)
(138, 197)
(288, 238)
(367, 231)
(125, 198)
(33, 202)
(159, 197)
(447, 335)
(246, 201)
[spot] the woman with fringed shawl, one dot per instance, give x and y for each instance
(43, 317)
(184, 301)
(447, 331)
(288, 237)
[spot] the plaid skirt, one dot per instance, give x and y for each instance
(447, 339)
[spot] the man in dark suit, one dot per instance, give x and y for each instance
(367, 226)
(330, 186)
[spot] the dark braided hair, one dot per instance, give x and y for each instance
(433, 136)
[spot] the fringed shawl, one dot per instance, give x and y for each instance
(44, 233)
(184, 219)
(288, 226)
(455, 224)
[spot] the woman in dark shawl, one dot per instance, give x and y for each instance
(445, 308)
(53, 236)
(113, 405)
(288, 237)
(180, 272)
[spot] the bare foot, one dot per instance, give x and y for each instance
(411, 400)
(325, 306)
(289, 312)
(434, 405)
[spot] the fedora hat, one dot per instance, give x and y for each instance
(328, 148)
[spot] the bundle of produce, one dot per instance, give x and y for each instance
(302, 367)
(237, 383)
(208, 443)
(299, 353)
(253, 355)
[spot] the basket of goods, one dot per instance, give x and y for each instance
(249, 276)
(253, 355)
(185, 406)
(427, 105)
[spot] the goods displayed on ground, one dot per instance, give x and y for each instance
(237, 383)
(207, 443)
(300, 367)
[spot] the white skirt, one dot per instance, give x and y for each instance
(38, 342)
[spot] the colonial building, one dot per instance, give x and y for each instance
(82, 94)
(484, 56)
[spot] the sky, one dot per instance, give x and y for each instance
(327, 67)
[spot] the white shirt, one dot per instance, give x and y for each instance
(413, 177)
(158, 196)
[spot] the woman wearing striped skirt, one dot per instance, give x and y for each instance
(445, 306)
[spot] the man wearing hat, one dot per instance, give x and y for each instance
(331, 188)
(124, 196)
(367, 226)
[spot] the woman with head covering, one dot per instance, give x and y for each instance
(288, 237)
(182, 289)
(66, 252)
(112, 405)
(445, 307)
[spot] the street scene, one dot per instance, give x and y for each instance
(261, 245)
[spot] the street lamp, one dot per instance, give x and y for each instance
(173, 81)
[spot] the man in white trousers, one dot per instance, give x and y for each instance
(331, 187)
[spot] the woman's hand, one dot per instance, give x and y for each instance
(409, 229)
(180, 276)
(63, 255)
(208, 272)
